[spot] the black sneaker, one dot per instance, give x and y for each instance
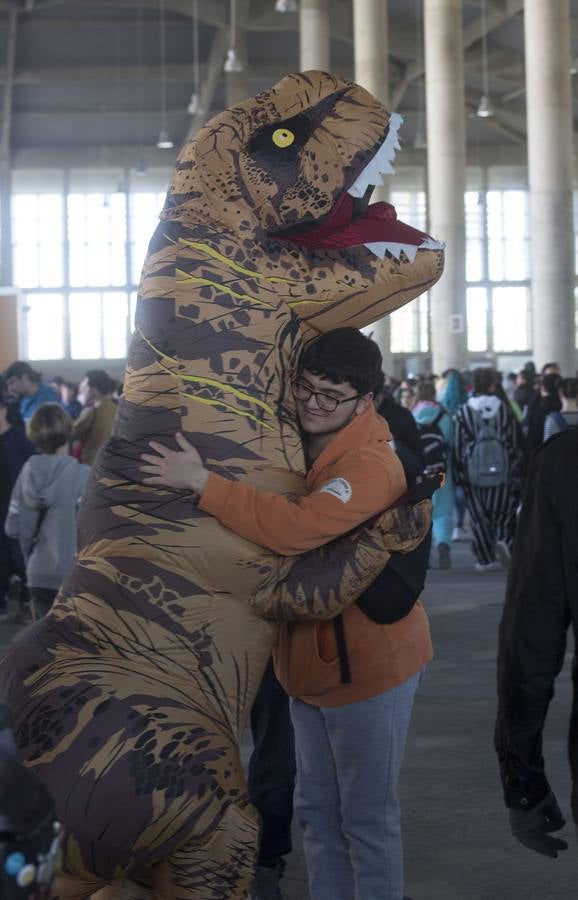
(267, 885)
(503, 554)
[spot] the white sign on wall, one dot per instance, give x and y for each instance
(456, 323)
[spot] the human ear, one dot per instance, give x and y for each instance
(363, 403)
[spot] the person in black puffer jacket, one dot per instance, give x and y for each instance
(407, 441)
(541, 604)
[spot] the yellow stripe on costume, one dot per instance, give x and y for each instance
(211, 382)
(214, 254)
(226, 290)
(228, 406)
(316, 302)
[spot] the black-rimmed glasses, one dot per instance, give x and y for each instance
(324, 401)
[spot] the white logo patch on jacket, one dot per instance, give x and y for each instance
(339, 488)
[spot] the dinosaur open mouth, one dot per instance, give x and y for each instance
(353, 221)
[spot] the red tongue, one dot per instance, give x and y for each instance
(378, 224)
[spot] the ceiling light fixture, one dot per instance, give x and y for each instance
(164, 141)
(232, 63)
(194, 107)
(286, 6)
(485, 107)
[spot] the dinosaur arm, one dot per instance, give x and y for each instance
(321, 584)
(364, 485)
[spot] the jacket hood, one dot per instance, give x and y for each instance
(364, 430)
(43, 477)
(427, 410)
(487, 405)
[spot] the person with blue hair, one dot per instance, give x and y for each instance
(454, 392)
(436, 426)
(452, 396)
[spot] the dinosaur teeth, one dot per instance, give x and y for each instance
(380, 248)
(380, 164)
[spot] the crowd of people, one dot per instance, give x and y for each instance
(457, 423)
(480, 429)
(50, 433)
(474, 428)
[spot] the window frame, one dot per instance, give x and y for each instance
(132, 187)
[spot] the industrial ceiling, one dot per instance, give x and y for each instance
(96, 81)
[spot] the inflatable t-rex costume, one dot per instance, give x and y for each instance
(130, 698)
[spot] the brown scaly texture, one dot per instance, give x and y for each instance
(131, 697)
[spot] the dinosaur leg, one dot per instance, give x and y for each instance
(220, 868)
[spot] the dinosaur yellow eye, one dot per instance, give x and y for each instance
(282, 137)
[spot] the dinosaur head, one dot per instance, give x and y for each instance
(291, 172)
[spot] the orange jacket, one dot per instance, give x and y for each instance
(380, 656)
(356, 476)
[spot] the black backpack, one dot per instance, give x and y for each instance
(434, 444)
(487, 463)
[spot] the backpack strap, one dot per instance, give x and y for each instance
(560, 421)
(342, 650)
(473, 424)
(439, 416)
(39, 521)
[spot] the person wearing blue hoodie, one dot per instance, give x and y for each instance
(44, 505)
(431, 416)
(23, 382)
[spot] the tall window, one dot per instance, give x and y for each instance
(475, 231)
(77, 256)
(80, 238)
(97, 239)
(410, 325)
(510, 308)
(508, 235)
(144, 213)
(477, 316)
(497, 271)
(37, 233)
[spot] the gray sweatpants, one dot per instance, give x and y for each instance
(348, 764)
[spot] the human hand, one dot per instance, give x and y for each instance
(181, 469)
(532, 827)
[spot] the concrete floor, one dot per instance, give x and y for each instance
(457, 843)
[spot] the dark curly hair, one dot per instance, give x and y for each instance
(345, 355)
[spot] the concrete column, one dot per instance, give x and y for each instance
(314, 35)
(370, 47)
(371, 51)
(446, 168)
(547, 28)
